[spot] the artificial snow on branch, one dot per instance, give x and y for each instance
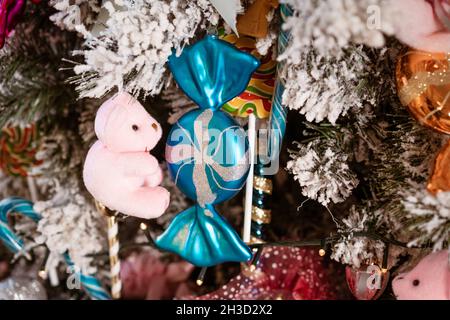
(70, 223)
(131, 52)
(358, 250)
(72, 13)
(323, 174)
(327, 87)
(330, 25)
(429, 217)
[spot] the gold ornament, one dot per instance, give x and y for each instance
(254, 21)
(440, 179)
(423, 80)
(261, 216)
(262, 184)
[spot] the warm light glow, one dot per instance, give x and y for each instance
(199, 282)
(322, 252)
(42, 274)
(143, 226)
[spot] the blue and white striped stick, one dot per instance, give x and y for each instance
(90, 284)
(10, 206)
(277, 120)
(16, 205)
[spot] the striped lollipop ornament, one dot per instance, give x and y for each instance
(262, 182)
(254, 102)
(18, 148)
(257, 97)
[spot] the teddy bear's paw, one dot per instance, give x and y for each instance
(145, 203)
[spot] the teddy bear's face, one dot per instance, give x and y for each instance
(123, 125)
(429, 280)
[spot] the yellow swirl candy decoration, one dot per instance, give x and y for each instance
(18, 149)
(257, 98)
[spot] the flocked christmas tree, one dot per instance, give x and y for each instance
(363, 168)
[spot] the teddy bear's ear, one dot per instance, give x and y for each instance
(113, 108)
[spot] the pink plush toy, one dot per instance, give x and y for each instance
(429, 280)
(119, 170)
(423, 24)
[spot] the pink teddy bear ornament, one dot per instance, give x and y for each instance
(423, 24)
(429, 280)
(119, 170)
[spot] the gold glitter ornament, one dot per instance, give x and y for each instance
(423, 83)
(440, 179)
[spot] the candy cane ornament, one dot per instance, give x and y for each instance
(91, 285)
(16, 205)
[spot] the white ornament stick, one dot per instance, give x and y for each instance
(249, 185)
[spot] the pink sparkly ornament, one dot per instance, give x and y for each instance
(145, 276)
(282, 273)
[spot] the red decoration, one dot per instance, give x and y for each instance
(10, 13)
(283, 273)
(368, 282)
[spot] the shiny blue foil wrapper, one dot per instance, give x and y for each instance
(207, 152)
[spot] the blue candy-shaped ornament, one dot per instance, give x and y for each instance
(207, 152)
